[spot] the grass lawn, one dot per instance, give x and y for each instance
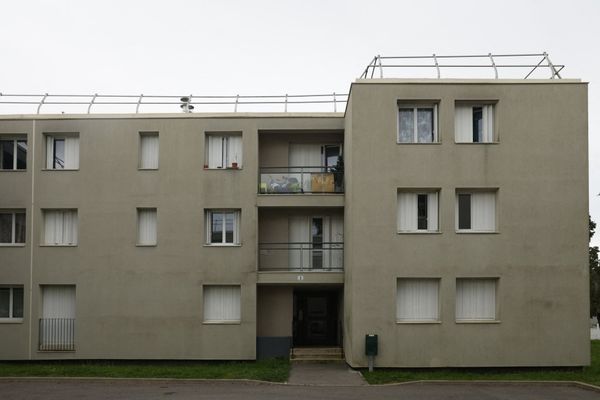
(274, 370)
(589, 374)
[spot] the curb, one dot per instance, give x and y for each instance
(579, 384)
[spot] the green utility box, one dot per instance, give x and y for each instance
(371, 345)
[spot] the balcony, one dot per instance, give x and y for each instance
(57, 334)
(301, 257)
(301, 180)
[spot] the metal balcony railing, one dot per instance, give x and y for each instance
(300, 180)
(520, 66)
(301, 256)
(57, 334)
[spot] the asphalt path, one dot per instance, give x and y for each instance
(50, 389)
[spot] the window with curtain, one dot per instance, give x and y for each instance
(148, 151)
(222, 303)
(13, 153)
(11, 302)
(476, 299)
(12, 227)
(222, 227)
(417, 123)
(417, 211)
(476, 211)
(474, 123)
(417, 300)
(146, 226)
(62, 152)
(223, 151)
(60, 227)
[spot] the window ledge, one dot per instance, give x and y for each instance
(418, 143)
(478, 232)
(222, 245)
(476, 143)
(55, 351)
(418, 322)
(146, 245)
(147, 169)
(57, 245)
(12, 244)
(478, 321)
(13, 170)
(223, 169)
(221, 322)
(11, 320)
(60, 169)
(419, 232)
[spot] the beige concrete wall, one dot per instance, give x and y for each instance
(538, 253)
(140, 302)
(275, 307)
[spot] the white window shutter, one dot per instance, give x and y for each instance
(49, 152)
(407, 212)
(149, 151)
(463, 124)
(222, 303)
(483, 211)
(475, 299)
(417, 300)
(432, 211)
(71, 153)
(147, 226)
(215, 151)
(234, 151)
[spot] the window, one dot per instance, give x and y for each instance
(417, 211)
(11, 303)
(476, 211)
(222, 227)
(223, 151)
(60, 227)
(476, 299)
(148, 151)
(146, 226)
(13, 154)
(57, 325)
(417, 123)
(12, 227)
(222, 303)
(474, 123)
(62, 152)
(417, 300)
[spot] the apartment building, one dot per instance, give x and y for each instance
(446, 216)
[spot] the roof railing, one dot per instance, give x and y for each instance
(527, 64)
(185, 103)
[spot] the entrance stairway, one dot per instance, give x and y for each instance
(332, 354)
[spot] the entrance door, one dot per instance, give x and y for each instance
(315, 318)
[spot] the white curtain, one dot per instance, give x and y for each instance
(215, 151)
(60, 227)
(407, 212)
(149, 151)
(432, 211)
(488, 123)
(58, 307)
(49, 152)
(417, 300)
(222, 303)
(299, 236)
(147, 226)
(58, 301)
(71, 153)
(483, 211)
(463, 123)
(234, 150)
(476, 299)
(336, 258)
(305, 155)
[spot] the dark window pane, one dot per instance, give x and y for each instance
(216, 228)
(422, 211)
(17, 303)
(7, 148)
(21, 154)
(407, 125)
(59, 154)
(464, 211)
(20, 228)
(229, 226)
(4, 302)
(6, 228)
(477, 124)
(425, 125)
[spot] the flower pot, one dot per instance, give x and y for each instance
(234, 165)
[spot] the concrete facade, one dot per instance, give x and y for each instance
(146, 302)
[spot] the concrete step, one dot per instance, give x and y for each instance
(317, 354)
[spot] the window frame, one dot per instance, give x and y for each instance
(483, 104)
(471, 192)
(417, 192)
(64, 137)
(437, 320)
(13, 213)
(225, 150)
(11, 318)
(139, 211)
(44, 243)
(143, 135)
(15, 139)
(478, 320)
(206, 321)
(208, 215)
(434, 105)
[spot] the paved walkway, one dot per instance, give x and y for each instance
(324, 374)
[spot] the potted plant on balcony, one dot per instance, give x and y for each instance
(338, 174)
(234, 164)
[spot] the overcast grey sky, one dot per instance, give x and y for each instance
(272, 47)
